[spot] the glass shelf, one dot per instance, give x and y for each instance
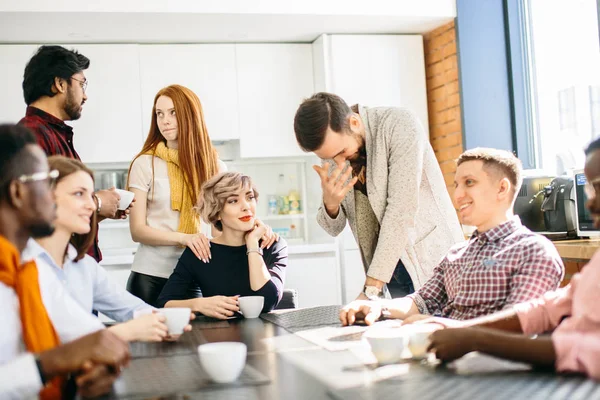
(281, 217)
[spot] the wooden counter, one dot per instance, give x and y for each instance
(575, 254)
(580, 250)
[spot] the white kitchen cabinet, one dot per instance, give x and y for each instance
(110, 127)
(14, 58)
(353, 274)
(316, 278)
(373, 70)
(207, 69)
(273, 79)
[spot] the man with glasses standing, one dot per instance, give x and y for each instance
(54, 89)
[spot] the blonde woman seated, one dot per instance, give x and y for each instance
(64, 252)
(238, 267)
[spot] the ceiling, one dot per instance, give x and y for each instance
(191, 28)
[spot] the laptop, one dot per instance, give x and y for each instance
(583, 219)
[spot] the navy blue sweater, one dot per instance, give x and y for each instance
(226, 274)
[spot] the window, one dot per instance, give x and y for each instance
(595, 109)
(564, 60)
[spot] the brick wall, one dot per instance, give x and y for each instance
(443, 98)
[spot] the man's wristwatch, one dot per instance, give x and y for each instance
(373, 292)
(99, 202)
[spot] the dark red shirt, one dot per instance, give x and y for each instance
(56, 139)
(53, 135)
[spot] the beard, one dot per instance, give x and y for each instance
(72, 108)
(41, 229)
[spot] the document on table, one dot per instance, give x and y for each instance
(334, 338)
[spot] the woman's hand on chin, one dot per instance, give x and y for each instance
(261, 232)
(220, 307)
(257, 232)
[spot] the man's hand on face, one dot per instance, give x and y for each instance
(335, 187)
(110, 203)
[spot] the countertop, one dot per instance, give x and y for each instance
(124, 256)
(578, 249)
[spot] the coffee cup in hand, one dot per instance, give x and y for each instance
(176, 319)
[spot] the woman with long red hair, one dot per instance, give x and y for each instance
(166, 176)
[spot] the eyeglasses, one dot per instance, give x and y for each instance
(590, 188)
(83, 83)
(40, 176)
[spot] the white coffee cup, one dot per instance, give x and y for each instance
(126, 198)
(176, 319)
(418, 338)
(223, 361)
(251, 306)
(387, 344)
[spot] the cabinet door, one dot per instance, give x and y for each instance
(14, 58)
(376, 70)
(354, 274)
(272, 79)
(110, 127)
(315, 277)
(207, 69)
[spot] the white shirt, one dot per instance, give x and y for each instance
(158, 261)
(88, 283)
(19, 377)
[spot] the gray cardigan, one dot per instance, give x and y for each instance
(406, 190)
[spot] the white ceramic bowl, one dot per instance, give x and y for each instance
(126, 198)
(223, 361)
(387, 344)
(418, 338)
(176, 319)
(251, 306)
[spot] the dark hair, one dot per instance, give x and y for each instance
(315, 115)
(502, 162)
(595, 145)
(50, 62)
(14, 159)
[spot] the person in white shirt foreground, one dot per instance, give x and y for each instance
(64, 252)
(44, 335)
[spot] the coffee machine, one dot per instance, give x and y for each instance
(547, 205)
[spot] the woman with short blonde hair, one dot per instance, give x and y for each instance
(247, 260)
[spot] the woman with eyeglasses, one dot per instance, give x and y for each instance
(166, 176)
(64, 252)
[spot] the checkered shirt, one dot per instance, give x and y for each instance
(491, 271)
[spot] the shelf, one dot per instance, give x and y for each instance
(282, 217)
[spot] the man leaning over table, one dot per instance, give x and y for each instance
(502, 264)
(571, 314)
(392, 194)
(37, 315)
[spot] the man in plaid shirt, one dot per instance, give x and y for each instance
(502, 264)
(54, 90)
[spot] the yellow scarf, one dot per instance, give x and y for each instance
(189, 220)
(38, 332)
